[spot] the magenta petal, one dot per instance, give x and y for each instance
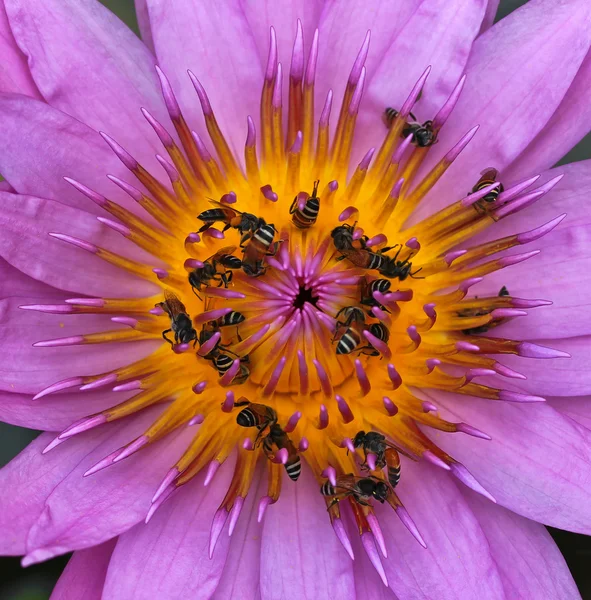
(343, 27)
(25, 243)
(168, 557)
(538, 463)
(492, 6)
(14, 71)
(16, 283)
(457, 562)
(452, 28)
(509, 91)
(194, 36)
(528, 560)
(54, 412)
(240, 577)
(578, 408)
(554, 376)
(84, 511)
(565, 129)
(88, 64)
(143, 21)
(306, 560)
(84, 575)
(283, 17)
(41, 145)
(565, 260)
(27, 369)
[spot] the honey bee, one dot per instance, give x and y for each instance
(261, 416)
(393, 268)
(180, 321)
(306, 217)
(233, 318)
(215, 268)
(244, 223)
(256, 247)
(348, 331)
(367, 290)
(360, 488)
(386, 453)
(276, 440)
(380, 331)
(222, 361)
(488, 177)
(422, 135)
(342, 237)
(481, 312)
(272, 436)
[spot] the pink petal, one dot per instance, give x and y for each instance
(565, 260)
(240, 577)
(578, 408)
(143, 21)
(457, 562)
(25, 243)
(88, 64)
(84, 511)
(14, 71)
(55, 412)
(538, 463)
(528, 560)
(301, 556)
(510, 92)
(41, 145)
(27, 370)
(84, 575)
(194, 35)
(343, 26)
(283, 17)
(16, 283)
(492, 6)
(451, 28)
(554, 376)
(168, 558)
(566, 127)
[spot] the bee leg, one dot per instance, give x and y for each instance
(238, 334)
(196, 294)
(164, 336)
(339, 258)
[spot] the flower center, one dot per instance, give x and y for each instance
(302, 319)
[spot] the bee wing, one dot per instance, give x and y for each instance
(399, 450)
(222, 251)
(175, 306)
(222, 205)
(489, 173)
(357, 257)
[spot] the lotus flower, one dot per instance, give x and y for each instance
(364, 389)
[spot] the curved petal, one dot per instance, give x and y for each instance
(577, 408)
(492, 7)
(510, 90)
(283, 16)
(528, 560)
(538, 463)
(562, 271)
(56, 411)
(168, 558)
(457, 562)
(16, 283)
(203, 37)
(301, 556)
(27, 370)
(143, 21)
(41, 145)
(88, 64)
(566, 128)
(14, 72)
(84, 575)
(342, 28)
(554, 376)
(80, 512)
(438, 34)
(241, 574)
(25, 243)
